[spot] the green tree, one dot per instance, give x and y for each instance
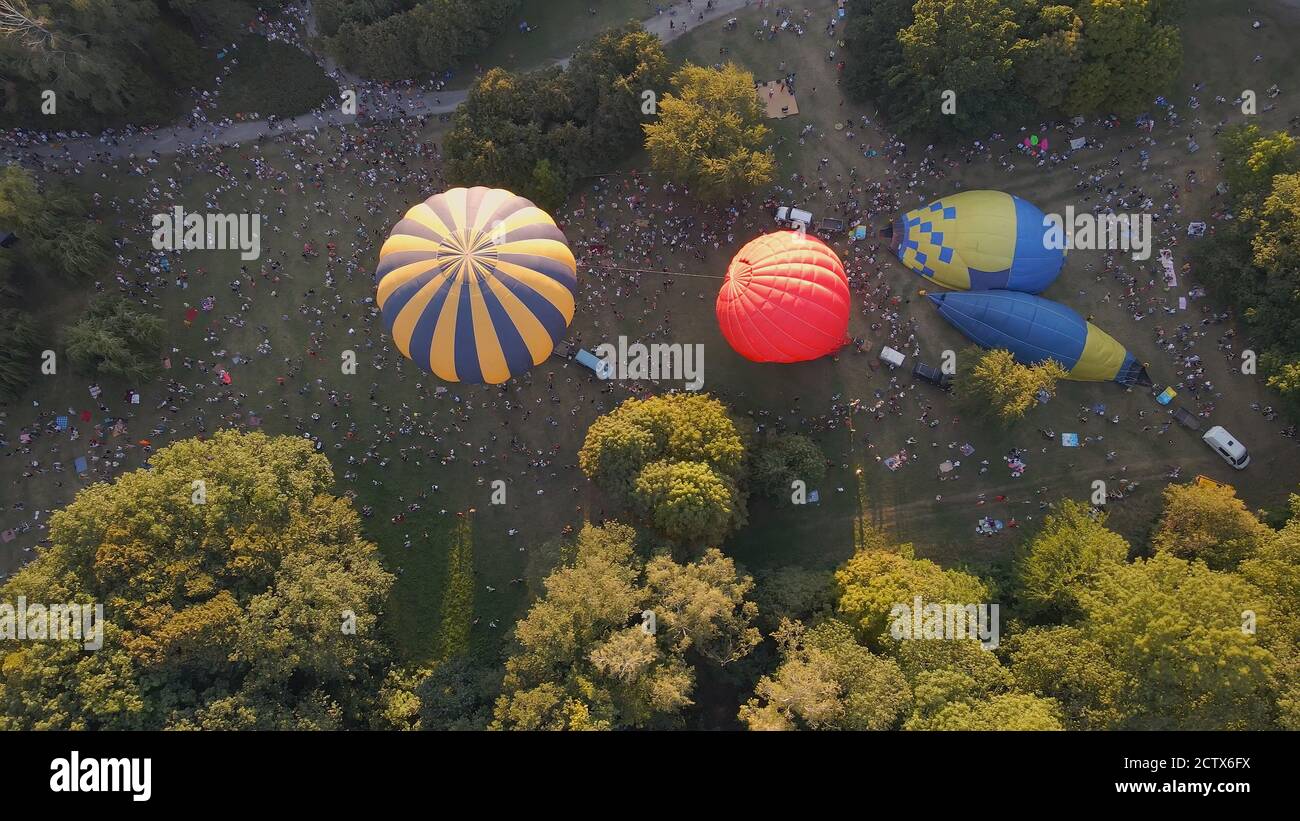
(957, 684)
(116, 338)
(702, 606)
(873, 581)
(1048, 57)
(1251, 262)
(547, 188)
(84, 51)
(677, 460)
(538, 133)
(827, 681)
(1208, 522)
(609, 75)
(710, 134)
(792, 592)
(963, 46)
(1062, 663)
(781, 459)
(1274, 570)
(1252, 159)
(1001, 389)
(56, 236)
(332, 14)
(1276, 244)
(1007, 60)
(689, 502)
(18, 353)
(946, 669)
(874, 68)
(1005, 711)
(1132, 52)
(392, 41)
(581, 662)
(1282, 376)
(1064, 557)
(458, 695)
(1174, 628)
(220, 615)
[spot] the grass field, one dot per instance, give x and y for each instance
(442, 601)
(559, 27)
(273, 79)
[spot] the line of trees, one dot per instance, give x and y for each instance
(110, 60)
(260, 606)
(1252, 262)
(1006, 61)
(57, 241)
(537, 133)
(1200, 633)
(401, 39)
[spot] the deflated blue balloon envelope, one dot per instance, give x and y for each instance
(1035, 329)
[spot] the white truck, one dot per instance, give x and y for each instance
(796, 219)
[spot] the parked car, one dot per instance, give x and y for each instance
(829, 226)
(795, 219)
(934, 376)
(1187, 419)
(1232, 451)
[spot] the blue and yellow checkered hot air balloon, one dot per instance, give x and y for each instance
(977, 241)
(476, 285)
(1035, 329)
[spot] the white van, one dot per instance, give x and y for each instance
(1232, 451)
(794, 218)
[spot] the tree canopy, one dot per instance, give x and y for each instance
(827, 681)
(873, 580)
(999, 388)
(677, 460)
(228, 613)
(1252, 262)
(782, 459)
(1208, 522)
(399, 39)
(709, 135)
(538, 133)
(1063, 557)
(999, 61)
(116, 337)
(614, 641)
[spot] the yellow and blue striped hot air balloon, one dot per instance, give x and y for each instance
(977, 241)
(476, 285)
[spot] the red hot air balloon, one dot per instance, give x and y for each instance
(785, 299)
